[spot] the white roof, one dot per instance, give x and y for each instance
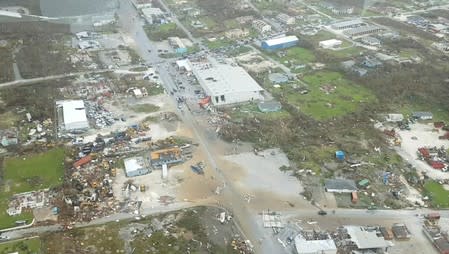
(133, 164)
(185, 63)
(137, 92)
(314, 246)
(74, 113)
(348, 23)
(10, 14)
(281, 40)
(366, 239)
(152, 11)
(222, 78)
(330, 42)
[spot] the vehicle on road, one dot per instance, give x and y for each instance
(322, 212)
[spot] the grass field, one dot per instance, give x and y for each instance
(30, 246)
(29, 173)
(145, 108)
(296, 55)
(218, 43)
(251, 110)
(322, 106)
(439, 195)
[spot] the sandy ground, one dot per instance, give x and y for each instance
(425, 137)
(259, 179)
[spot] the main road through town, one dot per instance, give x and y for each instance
(131, 24)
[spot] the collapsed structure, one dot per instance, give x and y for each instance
(312, 242)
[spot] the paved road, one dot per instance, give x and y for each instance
(248, 221)
(22, 82)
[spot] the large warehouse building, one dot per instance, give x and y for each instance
(72, 115)
(226, 83)
(280, 43)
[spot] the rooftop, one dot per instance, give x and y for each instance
(152, 11)
(73, 111)
(281, 40)
(223, 78)
(314, 246)
(365, 239)
(362, 29)
(353, 22)
(134, 163)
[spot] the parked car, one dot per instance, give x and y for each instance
(322, 212)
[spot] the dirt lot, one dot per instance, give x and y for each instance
(425, 137)
(263, 182)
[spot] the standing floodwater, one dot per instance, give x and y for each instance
(63, 8)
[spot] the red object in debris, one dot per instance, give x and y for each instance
(82, 161)
(436, 164)
(204, 102)
(438, 124)
(424, 152)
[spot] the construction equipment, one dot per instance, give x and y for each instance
(142, 188)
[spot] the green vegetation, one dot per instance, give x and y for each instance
(162, 32)
(238, 51)
(30, 246)
(219, 43)
(341, 96)
(251, 110)
(29, 173)
(439, 196)
(145, 108)
(297, 55)
(6, 69)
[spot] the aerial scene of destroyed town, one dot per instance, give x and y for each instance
(224, 126)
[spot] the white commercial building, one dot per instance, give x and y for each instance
(261, 26)
(226, 83)
(73, 114)
(151, 13)
(304, 246)
(348, 24)
(332, 43)
(184, 64)
(139, 4)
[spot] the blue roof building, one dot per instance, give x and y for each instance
(280, 43)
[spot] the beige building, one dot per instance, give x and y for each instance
(286, 19)
(236, 33)
(261, 26)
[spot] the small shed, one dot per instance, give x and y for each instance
(340, 155)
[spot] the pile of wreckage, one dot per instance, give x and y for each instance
(436, 157)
